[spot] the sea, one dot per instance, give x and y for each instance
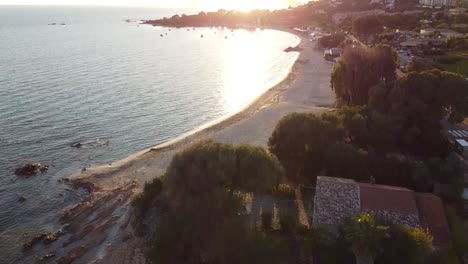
(98, 77)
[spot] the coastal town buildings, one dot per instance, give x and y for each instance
(438, 3)
(338, 199)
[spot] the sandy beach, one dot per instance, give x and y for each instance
(306, 89)
(99, 230)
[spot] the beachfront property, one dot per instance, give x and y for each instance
(337, 200)
(438, 3)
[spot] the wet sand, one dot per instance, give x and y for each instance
(99, 229)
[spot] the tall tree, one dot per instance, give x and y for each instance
(206, 222)
(300, 141)
(359, 70)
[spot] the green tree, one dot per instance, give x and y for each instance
(366, 237)
(347, 161)
(359, 70)
(206, 222)
(366, 26)
(406, 245)
(300, 141)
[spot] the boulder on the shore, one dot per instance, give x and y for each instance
(30, 169)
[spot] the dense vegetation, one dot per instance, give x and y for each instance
(331, 41)
(367, 26)
(301, 16)
(360, 70)
(386, 130)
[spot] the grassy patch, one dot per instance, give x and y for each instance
(456, 62)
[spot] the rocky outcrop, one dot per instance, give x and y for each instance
(52, 237)
(34, 241)
(31, 169)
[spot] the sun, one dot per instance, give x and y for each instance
(244, 5)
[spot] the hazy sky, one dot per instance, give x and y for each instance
(203, 4)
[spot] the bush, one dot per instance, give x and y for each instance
(288, 223)
(267, 219)
(142, 201)
(458, 231)
(284, 191)
(137, 200)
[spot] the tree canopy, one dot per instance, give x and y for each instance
(359, 70)
(300, 142)
(205, 222)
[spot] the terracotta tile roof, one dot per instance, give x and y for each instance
(388, 198)
(432, 215)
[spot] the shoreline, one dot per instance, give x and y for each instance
(102, 228)
(267, 98)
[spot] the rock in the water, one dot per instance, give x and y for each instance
(47, 257)
(52, 237)
(77, 145)
(22, 199)
(45, 168)
(34, 241)
(29, 169)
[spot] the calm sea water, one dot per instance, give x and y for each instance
(116, 87)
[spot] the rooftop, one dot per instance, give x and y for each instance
(388, 198)
(337, 199)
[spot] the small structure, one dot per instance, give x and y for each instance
(338, 199)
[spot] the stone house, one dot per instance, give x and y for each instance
(337, 200)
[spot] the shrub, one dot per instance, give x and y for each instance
(137, 200)
(288, 223)
(267, 219)
(142, 201)
(459, 232)
(284, 191)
